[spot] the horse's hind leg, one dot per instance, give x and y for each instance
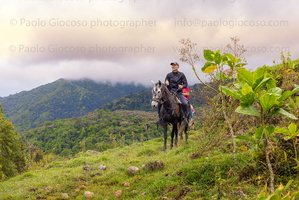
(180, 130)
(175, 133)
(172, 136)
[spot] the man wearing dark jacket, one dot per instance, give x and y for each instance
(175, 82)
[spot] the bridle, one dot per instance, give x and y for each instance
(160, 101)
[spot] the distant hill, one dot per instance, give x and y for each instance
(141, 100)
(98, 130)
(61, 99)
(136, 101)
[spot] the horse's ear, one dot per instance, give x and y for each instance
(153, 82)
(159, 83)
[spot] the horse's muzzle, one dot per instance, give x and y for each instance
(154, 104)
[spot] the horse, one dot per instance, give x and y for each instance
(171, 112)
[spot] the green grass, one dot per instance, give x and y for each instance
(210, 176)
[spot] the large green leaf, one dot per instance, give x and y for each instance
(208, 67)
(275, 110)
(286, 113)
(271, 83)
(259, 132)
(239, 85)
(230, 57)
(245, 75)
(218, 58)
(247, 99)
(208, 55)
(287, 94)
(229, 91)
(248, 110)
(259, 73)
(246, 89)
(281, 130)
(267, 101)
(275, 91)
(231, 64)
(260, 84)
(270, 129)
(292, 128)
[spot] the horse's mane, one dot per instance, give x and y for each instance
(165, 90)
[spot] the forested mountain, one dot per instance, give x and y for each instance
(61, 99)
(99, 130)
(137, 101)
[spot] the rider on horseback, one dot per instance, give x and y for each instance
(175, 82)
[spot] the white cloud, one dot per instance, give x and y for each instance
(132, 40)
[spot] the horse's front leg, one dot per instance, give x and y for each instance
(186, 135)
(172, 135)
(165, 136)
(175, 135)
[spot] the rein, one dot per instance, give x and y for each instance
(162, 102)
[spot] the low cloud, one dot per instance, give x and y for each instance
(133, 40)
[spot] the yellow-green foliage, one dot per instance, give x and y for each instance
(12, 158)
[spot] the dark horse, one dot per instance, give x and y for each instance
(171, 112)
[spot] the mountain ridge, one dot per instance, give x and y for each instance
(61, 99)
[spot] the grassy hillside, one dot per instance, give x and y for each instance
(99, 130)
(61, 99)
(194, 171)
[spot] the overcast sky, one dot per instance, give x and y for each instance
(133, 40)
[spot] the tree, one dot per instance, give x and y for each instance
(12, 157)
(221, 68)
(259, 96)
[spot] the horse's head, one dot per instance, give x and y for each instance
(157, 93)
